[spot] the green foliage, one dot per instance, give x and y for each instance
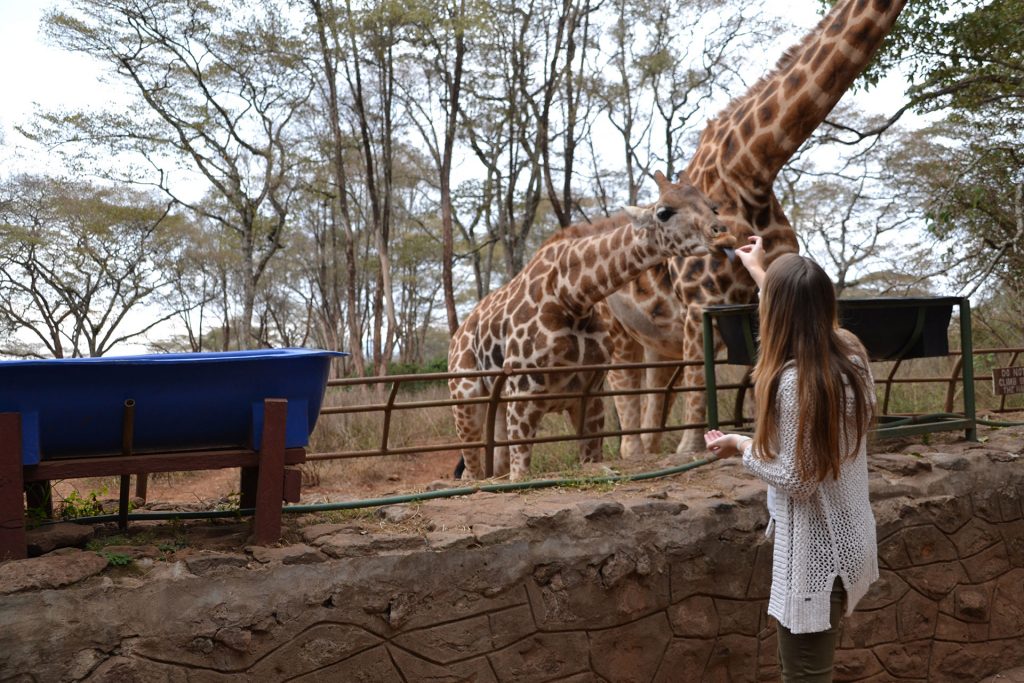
(74, 505)
(115, 559)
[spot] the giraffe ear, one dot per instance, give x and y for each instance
(642, 219)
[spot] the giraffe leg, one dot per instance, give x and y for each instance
(501, 434)
(523, 418)
(628, 407)
(657, 403)
(591, 450)
(696, 403)
(693, 376)
(469, 423)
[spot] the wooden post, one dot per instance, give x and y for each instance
(127, 439)
(12, 501)
(270, 483)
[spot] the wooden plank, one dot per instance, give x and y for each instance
(185, 461)
(12, 499)
(292, 485)
(270, 488)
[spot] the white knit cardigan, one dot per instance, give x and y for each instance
(823, 530)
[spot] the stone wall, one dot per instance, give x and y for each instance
(661, 581)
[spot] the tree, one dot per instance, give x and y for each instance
(214, 88)
(657, 82)
(339, 215)
(440, 30)
(77, 263)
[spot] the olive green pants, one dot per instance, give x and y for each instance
(807, 657)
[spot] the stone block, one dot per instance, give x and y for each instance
(205, 563)
(926, 544)
(318, 647)
(49, 537)
(950, 628)
(738, 616)
(948, 513)
(1008, 606)
(988, 505)
(1013, 536)
(630, 653)
(53, 570)
(570, 598)
(901, 465)
(694, 617)
(542, 657)
(372, 665)
(916, 616)
(684, 656)
(510, 625)
(867, 629)
(761, 577)
(906, 659)
(954, 662)
(951, 462)
(1009, 503)
(723, 570)
(595, 510)
(935, 580)
(414, 668)
(733, 658)
(299, 553)
(972, 603)
(892, 552)
(988, 564)
(974, 537)
(855, 664)
(887, 590)
(450, 641)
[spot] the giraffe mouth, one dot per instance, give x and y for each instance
(730, 253)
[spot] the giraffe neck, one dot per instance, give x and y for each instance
(590, 268)
(756, 134)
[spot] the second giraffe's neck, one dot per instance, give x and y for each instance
(761, 130)
(592, 267)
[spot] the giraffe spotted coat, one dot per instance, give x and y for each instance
(544, 318)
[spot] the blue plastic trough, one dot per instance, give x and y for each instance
(75, 407)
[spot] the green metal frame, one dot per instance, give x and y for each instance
(889, 426)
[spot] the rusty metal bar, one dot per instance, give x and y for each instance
(388, 410)
(489, 426)
(669, 390)
(434, 448)
(496, 399)
(951, 388)
(438, 376)
(888, 385)
(447, 403)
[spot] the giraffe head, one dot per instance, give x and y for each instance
(683, 222)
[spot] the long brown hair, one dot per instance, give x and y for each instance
(799, 325)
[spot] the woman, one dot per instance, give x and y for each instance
(815, 402)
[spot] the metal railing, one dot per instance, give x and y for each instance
(391, 403)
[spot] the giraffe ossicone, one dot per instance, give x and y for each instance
(544, 317)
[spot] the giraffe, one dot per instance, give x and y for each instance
(657, 316)
(544, 317)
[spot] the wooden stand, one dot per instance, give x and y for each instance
(268, 475)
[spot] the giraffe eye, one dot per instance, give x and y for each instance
(664, 213)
